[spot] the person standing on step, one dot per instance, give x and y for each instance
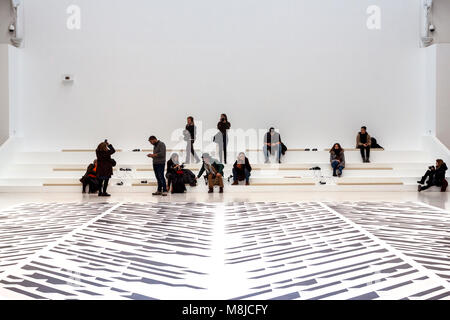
(337, 159)
(241, 170)
(435, 176)
(223, 126)
(159, 163)
(272, 143)
(214, 172)
(190, 134)
(363, 143)
(105, 166)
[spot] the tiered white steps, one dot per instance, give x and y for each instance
(59, 171)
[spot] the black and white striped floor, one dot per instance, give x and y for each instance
(262, 250)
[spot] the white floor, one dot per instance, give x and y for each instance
(72, 247)
(437, 199)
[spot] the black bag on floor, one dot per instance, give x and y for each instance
(189, 177)
(178, 184)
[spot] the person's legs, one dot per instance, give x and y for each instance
(219, 181)
(210, 183)
(334, 165)
(105, 185)
(444, 185)
(85, 183)
(266, 153)
(224, 148)
(161, 179)
(340, 168)
(361, 150)
(367, 153)
(235, 177)
(247, 176)
(424, 178)
(279, 153)
(100, 192)
(197, 159)
(188, 151)
(158, 180)
(220, 145)
(169, 180)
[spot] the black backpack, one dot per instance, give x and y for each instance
(374, 143)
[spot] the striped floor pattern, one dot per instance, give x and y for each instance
(196, 251)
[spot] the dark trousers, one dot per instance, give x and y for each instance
(103, 183)
(428, 177)
(223, 149)
(191, 151)
(430, 181)
(336, 167)
(367, 150)
(92, 183)
(159, 174)
(236, 175)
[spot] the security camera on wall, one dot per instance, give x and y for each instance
(432, 28)
(11, 28)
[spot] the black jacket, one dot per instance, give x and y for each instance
(223, 126)
(439, 175)
(89, 170)
(246, 166)
(104, 162)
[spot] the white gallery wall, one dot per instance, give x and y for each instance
(4, 93)
(311, 68)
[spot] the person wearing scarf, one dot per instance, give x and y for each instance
(214, 172)
(241, 170)
(337, 159)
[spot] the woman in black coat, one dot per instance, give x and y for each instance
(241, 170)
(435, 176)
(105, 166)
(223, 126)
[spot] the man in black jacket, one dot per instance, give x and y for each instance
(241, 170)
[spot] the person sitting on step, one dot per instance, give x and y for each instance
(90, 178)
(214, 172)
(272, 143)
(435, 176)
(241, 170)
(363, 143)
(337, 159)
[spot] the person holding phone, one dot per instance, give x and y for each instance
(105, 166)
(159, 163)
(190, 133)
(223, 126)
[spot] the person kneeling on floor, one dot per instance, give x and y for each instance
(214, 172)
(435, 176)
(241, 170)
(90, 178)
(337, 159)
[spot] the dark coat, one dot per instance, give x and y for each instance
(246, 166)
(223, 126)
(89, 170)
(439, 175)
(104, 162)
